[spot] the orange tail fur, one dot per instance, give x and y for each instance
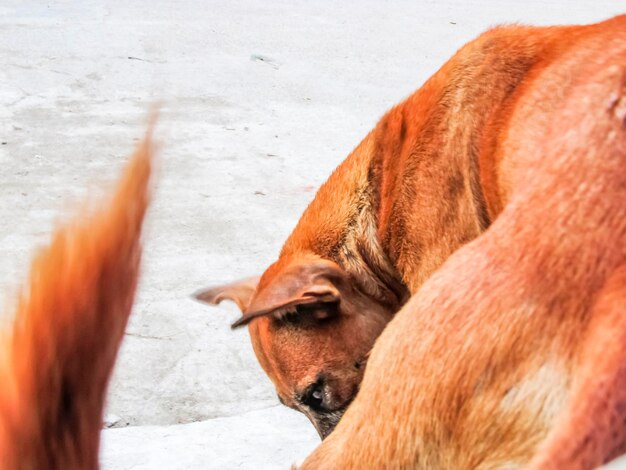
(56, 361)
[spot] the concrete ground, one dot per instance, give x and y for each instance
(260, 101)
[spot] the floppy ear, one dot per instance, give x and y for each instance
(239, 292)
(312, 286)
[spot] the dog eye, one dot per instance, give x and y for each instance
(314, 397)
(318, 311)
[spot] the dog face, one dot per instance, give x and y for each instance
(311, 331)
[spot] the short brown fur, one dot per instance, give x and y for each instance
(436, 171)
(512, 354)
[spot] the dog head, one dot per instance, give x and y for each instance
(311, 330)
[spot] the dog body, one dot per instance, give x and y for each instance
(512, 354)
(432, 176)
(56, 361)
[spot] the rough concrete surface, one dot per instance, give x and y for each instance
(259, 101)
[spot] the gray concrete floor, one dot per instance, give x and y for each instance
(259, 102)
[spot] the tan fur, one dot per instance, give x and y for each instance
(56, 361)
(436, 171)
(512, 354)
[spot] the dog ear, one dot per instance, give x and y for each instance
(312, 287)
(239, 292)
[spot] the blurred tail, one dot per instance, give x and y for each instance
(56, 361)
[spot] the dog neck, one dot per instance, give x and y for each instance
(424, 182)
(359, 216)
(435, 159)
(340, 224)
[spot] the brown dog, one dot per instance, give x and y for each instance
(514, 352)
(56, 361)
(430, 177)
